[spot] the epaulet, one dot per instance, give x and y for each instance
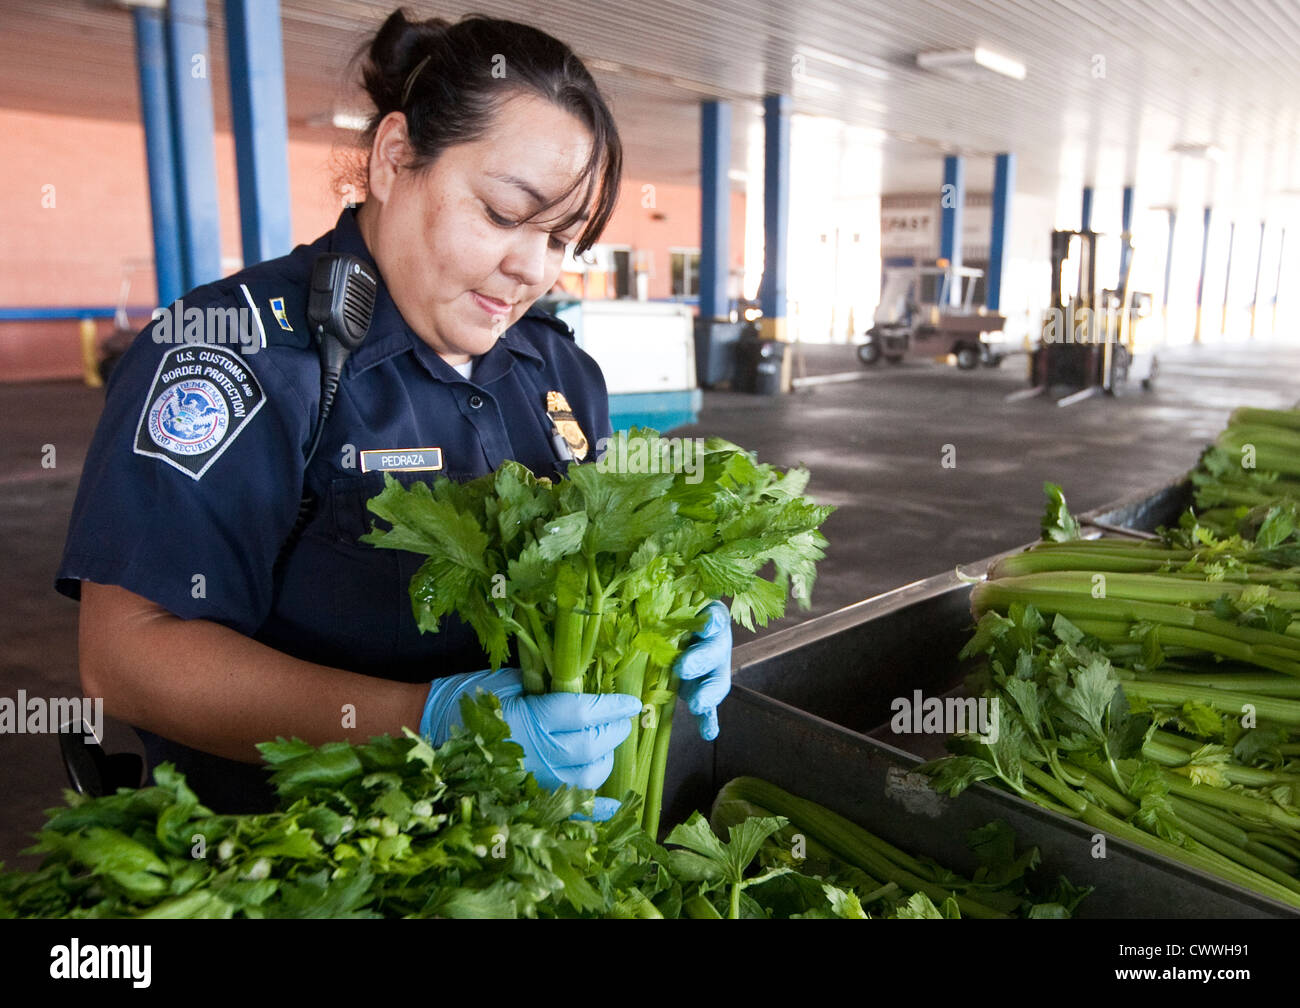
(556, 323)
(277, 309)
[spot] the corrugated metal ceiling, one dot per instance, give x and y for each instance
(1171, 71)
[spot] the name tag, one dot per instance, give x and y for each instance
(401, 459)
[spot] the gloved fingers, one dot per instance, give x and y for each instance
(588, 776)
(603, 809)
(711, 647)
(569, 712)
(708, 723)
(702, 658)
(704, 669)
(719, 620)
(706, 692)
(562, 750)
(702, 697)
(582, 757)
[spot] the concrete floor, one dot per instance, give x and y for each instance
(875, 445)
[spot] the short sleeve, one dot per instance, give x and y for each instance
(194, 475)
(596, 399)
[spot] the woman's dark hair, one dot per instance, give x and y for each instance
(450, 79)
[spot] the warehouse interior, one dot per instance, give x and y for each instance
(788, 171)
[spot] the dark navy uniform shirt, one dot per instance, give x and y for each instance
(195, 474)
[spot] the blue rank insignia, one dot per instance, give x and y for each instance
(277, 306)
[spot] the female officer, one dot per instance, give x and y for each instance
(207, 621)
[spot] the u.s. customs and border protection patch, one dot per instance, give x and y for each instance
(566, 424)
(201, 398)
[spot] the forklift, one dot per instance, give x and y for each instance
(908, 326)
(1087, 339)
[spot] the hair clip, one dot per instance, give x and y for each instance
(406, 91)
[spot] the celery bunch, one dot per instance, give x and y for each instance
(1251, 474)
(596, 582)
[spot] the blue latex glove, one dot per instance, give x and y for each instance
(705, 670)
(567, 738)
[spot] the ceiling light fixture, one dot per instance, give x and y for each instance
(817, 82)
(970, 64)
(1204, 151)
(821, 55)
(350, 121)
(693, 86)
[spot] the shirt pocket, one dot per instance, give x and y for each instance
(348, 518)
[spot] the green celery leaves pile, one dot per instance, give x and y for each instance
(395, 828)
(391, 828)
(595, 582)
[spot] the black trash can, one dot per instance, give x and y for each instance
(748, 354)
(771, 358)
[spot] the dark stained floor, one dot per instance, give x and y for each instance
(876, 446)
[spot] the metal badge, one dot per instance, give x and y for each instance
(566, 424)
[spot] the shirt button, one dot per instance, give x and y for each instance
(475, 401)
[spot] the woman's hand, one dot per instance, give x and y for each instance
(567, 738)
(705, 670)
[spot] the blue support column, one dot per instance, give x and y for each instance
(1085, 214)
(951, 204)
(155, 109)
(1004, 184)
(1200, 280)
(261, 125)
(196, 169)
(1227, 278)
(1126, 227)
(776, 213)
(715, 209)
